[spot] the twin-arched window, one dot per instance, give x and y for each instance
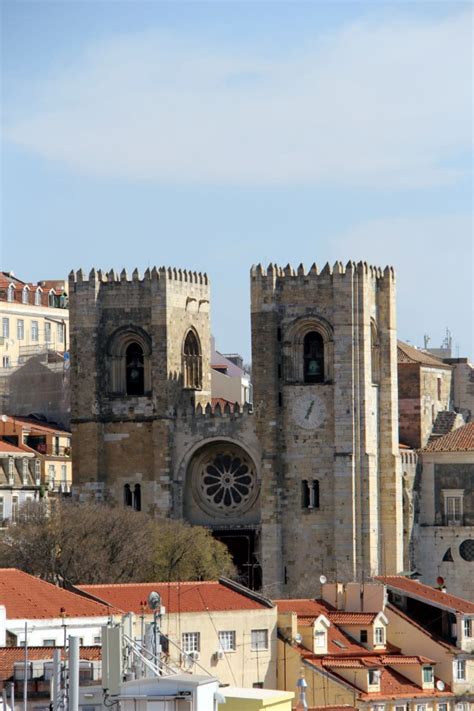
(192, 362)
(132, 498)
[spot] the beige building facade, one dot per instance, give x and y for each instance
(306, 482)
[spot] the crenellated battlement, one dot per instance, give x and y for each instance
(160, 274)
(275, 275)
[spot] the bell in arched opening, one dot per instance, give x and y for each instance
(313, 355)
(134, 370)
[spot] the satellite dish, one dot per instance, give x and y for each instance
(440, 685)
(4, 418)
(298, 638)
(440, 580)
(154, 600)
(323, 579)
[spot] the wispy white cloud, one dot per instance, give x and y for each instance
(374, 104)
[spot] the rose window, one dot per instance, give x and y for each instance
(224, 480)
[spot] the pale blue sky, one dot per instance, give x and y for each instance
(216, 135)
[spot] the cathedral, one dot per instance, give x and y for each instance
(305, 483)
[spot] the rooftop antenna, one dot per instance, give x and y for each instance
(426, 341)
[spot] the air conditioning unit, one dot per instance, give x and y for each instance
(219, 654)
(194, 656)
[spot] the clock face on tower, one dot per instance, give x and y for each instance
(309, 411)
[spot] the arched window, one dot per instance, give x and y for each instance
(11, 293)
(313, 356)
(137, 497)
(134, 370)
(38, 297)
(51, 298)
(25, 296)
(129, 362)
(127, 495)
(192, 362)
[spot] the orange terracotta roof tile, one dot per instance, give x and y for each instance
(34, 425)
(10, 655)
(352, 618)
(176, 597)
(460, 440)
(7, 448)
(426, 593)
(410, 354)
(28, 597)
(304, 607)
(395, 685)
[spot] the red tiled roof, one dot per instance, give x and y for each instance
(36, 425)
(10, 655)
(7, 448)
(410, 354)
(352, 618)
(304, 607)
(426, 593)
(176, 597)
(332, 708)
(28, 597)
(460, 440)
(396, 659)
(394, 685)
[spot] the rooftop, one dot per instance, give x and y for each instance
(427, 594)
(10, 655)
(28, 597)
(176, 597)
(460, 440)
(410, 354)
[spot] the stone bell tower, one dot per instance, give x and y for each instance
(140, 348)
(325, 396)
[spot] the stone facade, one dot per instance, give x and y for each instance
(307, 483)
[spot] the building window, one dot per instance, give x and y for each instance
(2, 509)
(420, 707)
(374, 677)
(10, 469)
(310, 494)
(460, 706)
(51, 299)
(313, 358)
(441, 707)
(11, 293)
(51, 475)
(38, 297)
(137, 497)
(257, 685)
(98, 640)
(60, 332)
(37, 468)
(364, 637)
(453, 507)
(467, 627)
(47, 332)
(227, 641)
(258, 640)
(403, 707)
(378, 707)
(6, 361)
(6, 328)
(20, 329)
(439, 388)
(192, 362)
(127, 495)
(320, 639)
(64, 474)
(25, 472)
(14, 508)
(379, 635)
(34, 331)
(134, 370)
(460, 669)
(190, 642)
(49, 643)
(25, 295)
(428, 675)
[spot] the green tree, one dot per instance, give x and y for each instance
(68, 542)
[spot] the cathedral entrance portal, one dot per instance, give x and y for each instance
(242, 545)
